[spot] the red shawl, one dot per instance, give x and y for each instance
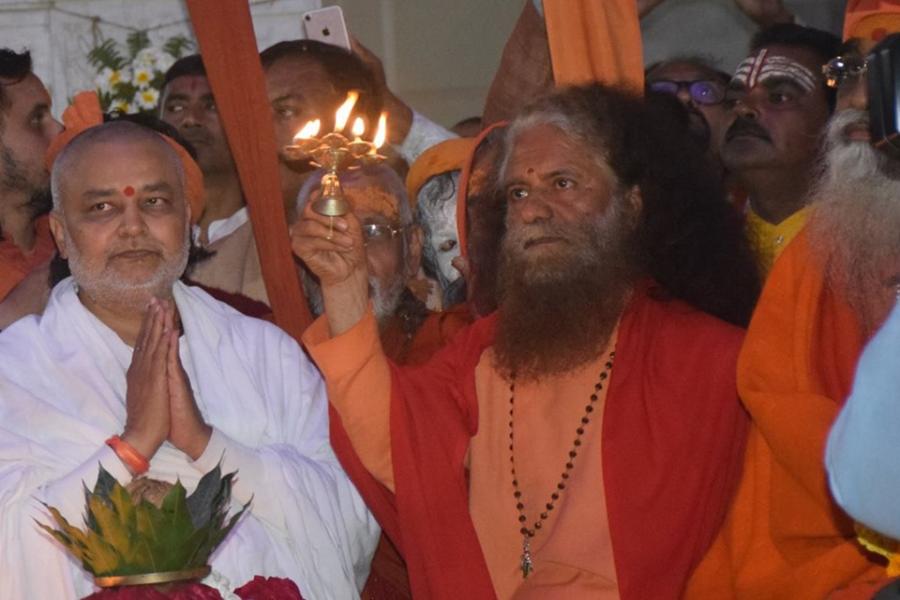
(673, 436)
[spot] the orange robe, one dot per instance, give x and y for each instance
(15, 265)
(784, 536)
(670, 440)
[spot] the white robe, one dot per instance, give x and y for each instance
(62, 394)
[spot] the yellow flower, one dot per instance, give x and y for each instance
(147, 99)
(142, 77)
(122, 106)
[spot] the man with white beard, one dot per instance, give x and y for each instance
(129, 369)
(828, 292)
(409, 332)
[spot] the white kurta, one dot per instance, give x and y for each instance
(62, 394)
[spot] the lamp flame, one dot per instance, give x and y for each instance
(359, 127)
(311, 129)
(381, 131)
(343, 113)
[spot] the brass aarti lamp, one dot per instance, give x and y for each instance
(335, 153)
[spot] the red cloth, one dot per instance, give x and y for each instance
(673, 435)
(15, 266)
(225, 33)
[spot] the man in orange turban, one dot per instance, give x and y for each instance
(785, 537)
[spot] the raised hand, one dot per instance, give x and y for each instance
(335, 253)
(187, 430)
(147, 394)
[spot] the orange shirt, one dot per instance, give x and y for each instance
(573, 552)
(15, 265)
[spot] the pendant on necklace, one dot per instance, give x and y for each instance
(527, 565)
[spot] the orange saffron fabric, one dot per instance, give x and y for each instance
(15, 265)
(595, 40)
(784, 536)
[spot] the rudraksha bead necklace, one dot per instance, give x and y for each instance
(527, 562)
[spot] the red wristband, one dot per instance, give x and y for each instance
(133, 459)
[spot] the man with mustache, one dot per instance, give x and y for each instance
(539, 453)
(130, 369)
(785, 536)
(26, 128)
(772, 144)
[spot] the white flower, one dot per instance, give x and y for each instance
(146, 99)
(142, 77)
(164, 62)
(148, 57)
(122, 106)
(108, 79)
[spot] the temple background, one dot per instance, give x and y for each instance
(439, 54)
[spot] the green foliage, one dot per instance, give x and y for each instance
(122, 538)
(178, 46)
(106, 55)
(137, 41)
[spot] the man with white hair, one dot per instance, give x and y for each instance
(129, 369)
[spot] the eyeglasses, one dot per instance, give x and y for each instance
(843, 69)
(702, 91)
(375, 234)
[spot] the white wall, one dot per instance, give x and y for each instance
(439, 54)
(61, 33)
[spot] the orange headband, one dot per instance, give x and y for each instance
(462, 192)
(85, 112)
(871, 19)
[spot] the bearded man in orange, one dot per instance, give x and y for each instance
(580, 442)
(785, 537)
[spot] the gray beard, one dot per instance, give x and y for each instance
(854, 230)
(109, 291)
(385, 301)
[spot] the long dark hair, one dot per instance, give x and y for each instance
(689, 239)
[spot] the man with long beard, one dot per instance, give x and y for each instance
(132, 370)
(582, 441)
(26, 128)
(785, 537)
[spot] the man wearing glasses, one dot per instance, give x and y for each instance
(409, 332)
(786, 537)
(700, 87)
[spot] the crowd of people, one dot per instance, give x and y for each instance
(598, 342)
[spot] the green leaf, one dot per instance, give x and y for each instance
(178, 45)
(121, 503)
(201, 503)
(178, 528)
(99, 557)
(73, 533)
(106, 55)
(110, 528)
(136, 41)
(149, 521)
(105, 483)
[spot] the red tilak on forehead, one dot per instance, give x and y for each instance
(530, 171)
(128, 190)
